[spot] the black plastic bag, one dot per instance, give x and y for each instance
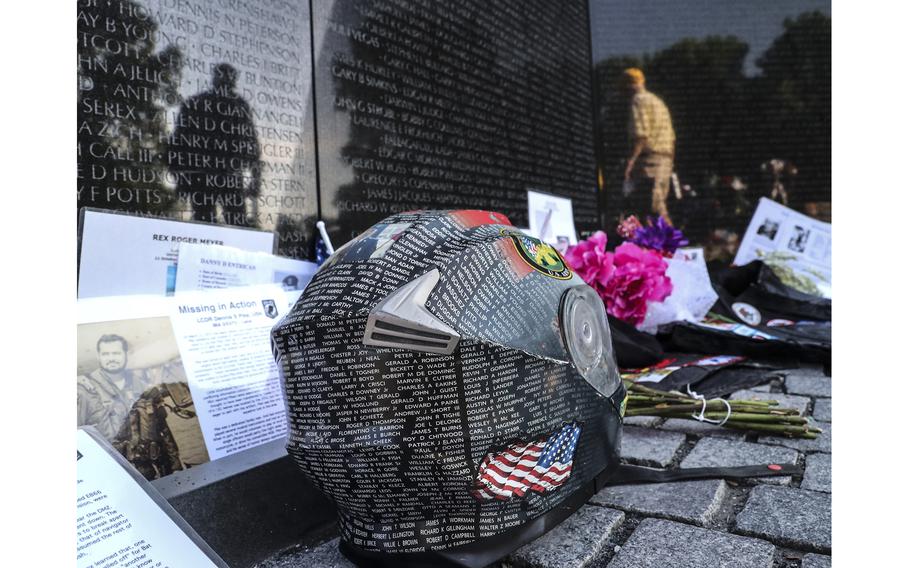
(634, 349)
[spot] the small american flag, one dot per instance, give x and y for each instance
(541, 466)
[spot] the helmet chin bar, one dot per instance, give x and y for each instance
(583, 321)
(402, 320)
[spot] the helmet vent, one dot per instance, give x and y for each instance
(397, 328)
(402, 320)
(406, 341)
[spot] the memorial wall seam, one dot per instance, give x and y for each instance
(430, 105)
(420, 106)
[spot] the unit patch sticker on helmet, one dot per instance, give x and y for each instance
(747, 312)
(540, 256)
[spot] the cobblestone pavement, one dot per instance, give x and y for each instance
(769, 523)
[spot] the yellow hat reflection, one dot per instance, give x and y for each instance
(634, 76)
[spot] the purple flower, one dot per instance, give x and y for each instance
(660, 236)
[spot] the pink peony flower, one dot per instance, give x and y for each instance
(626, 279)
(590, 259)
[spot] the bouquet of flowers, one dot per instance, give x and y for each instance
(627, 279)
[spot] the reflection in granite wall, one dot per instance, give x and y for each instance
(451, 105)
(199, 110)
(748, 86)
(203, 110)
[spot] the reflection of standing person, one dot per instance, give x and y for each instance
(650, 164)
(778, 169)
(214, 151)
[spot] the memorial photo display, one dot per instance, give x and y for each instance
(175, 382)
(132, 386)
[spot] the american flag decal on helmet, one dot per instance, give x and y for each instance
(540, 466)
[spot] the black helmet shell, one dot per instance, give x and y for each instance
(424, 356)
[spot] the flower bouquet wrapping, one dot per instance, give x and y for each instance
(692, 297)
(646, 281)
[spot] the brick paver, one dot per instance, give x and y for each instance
(808, 382)
(579, 541)
(716, 452)
(791, 517)
(818, 473)
(325, 555)
(816, 561)
(658, 543)
(822, 410)
(691, 501)
(650, 447)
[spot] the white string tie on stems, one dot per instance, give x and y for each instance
(704, 404)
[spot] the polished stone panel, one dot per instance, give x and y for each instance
(199, 110)
(451, 105)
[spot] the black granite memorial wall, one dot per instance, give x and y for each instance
(451, 105)
(199, 110)
(748, 88)
(204, 110)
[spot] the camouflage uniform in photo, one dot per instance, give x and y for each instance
(100, 403)
(134, 418)
(146, 439)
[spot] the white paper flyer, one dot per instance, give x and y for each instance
(204, 267)
(798, 241)
(224, 341)
(551, 220)
(125, 254)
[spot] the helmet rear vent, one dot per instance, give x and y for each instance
(402, 320)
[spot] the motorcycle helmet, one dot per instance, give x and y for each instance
(451, 387)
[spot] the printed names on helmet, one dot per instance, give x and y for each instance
(397, 436)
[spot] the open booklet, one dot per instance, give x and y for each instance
(796, 246)
(122, 521)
